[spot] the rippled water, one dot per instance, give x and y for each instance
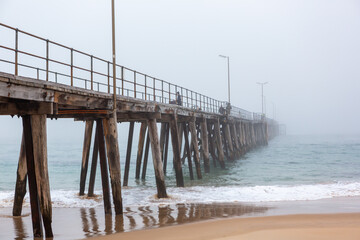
(289, 168)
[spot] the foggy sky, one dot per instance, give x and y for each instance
(308, 51)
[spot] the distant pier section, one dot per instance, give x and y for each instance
(55, 81)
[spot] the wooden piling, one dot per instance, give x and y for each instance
(140, 149)
(38, 128)
(93, 165)
(156, 155)
(229, 141)
(212, 144)
(165, 156)
(176, 150)
(205, 145)
(187, 150)
(128, 154)
(195, 145)
(34, 204)
(20, 188)
(235, 137)
(219, 143)
(112, 146)
(146, 156)
(85, 155)
(103, 167)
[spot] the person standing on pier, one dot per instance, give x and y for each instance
(178, 99)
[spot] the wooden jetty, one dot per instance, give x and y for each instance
(201, 129)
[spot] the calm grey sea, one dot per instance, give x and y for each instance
(289, 168)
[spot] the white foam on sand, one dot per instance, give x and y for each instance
(140, 196)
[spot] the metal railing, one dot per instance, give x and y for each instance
(97, 76)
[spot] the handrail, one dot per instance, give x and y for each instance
(132, 83)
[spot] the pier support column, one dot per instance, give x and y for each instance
(234, 135)
(156, 155)
(85, 155)
(128, 154)
(140, 149)
(103, 166)
(195, 145)
(229, 141)
(112, 146)
(93, 165)
(205, 145)
(38, 127)
(165, 156)
(219, 143)
(20, 188)
(187, 149)
(34, 199)
(146, 156)
(37, 168)
(176, 150)
(212, 145)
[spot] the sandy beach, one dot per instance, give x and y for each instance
(315, 226)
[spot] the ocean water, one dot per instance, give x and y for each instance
(290, 168)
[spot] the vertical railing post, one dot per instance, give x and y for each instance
(108, 76)
(154, 89)
(187, 98)
(169, 93)
(182, 96)
(200, 101)
(162, 91)
(16, 51)
(56, 77)
(134, 84)
(37, 73)
(191, 96)
(72, 67)
(92, 73)
(145, 88)
(122, 81)
(47, 60)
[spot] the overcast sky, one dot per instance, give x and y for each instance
(308, 51)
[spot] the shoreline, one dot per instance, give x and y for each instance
(91, 222)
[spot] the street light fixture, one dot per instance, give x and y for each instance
(113, 52)
(228, 65)
(262, 95)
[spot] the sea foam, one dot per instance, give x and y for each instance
(140, 196)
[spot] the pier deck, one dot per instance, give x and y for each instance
(200, 128)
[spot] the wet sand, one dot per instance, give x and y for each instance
(321, 226)
(80, 223)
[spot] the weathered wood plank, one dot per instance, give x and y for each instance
(20, 188)
(103, 166)
(26, 108)
(112, 146)
(35, 209)
(85, 155)
(38, 128)
(128, 154)
(156, 155)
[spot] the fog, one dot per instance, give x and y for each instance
(308, 51)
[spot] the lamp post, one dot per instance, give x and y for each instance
(262, 95)
(113, 52)
(228, 65)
